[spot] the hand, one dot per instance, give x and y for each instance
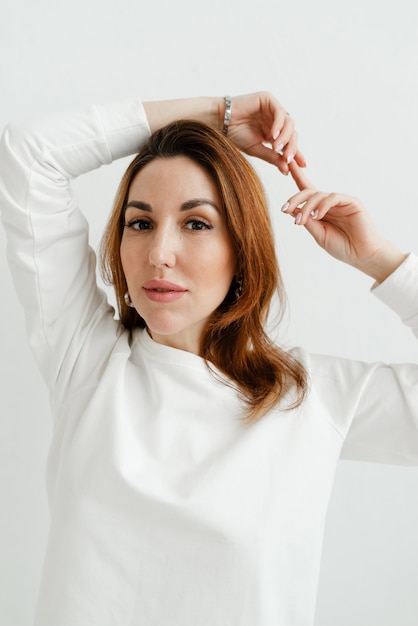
(256, 120)
(341, 225)
(259, 119)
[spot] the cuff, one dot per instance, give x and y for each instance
(124, 126)
(400, 291)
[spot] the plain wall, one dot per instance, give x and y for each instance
(347, 73)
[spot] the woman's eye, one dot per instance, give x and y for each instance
(138, 224)
(198, 225)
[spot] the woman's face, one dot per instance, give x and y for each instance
(176, 254)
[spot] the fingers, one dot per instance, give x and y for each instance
(267, 154)
(284, 138)
(300, 159)
(303, 205)
(261, 127)
(289, 154)
(310, 204)
(300, 178)
(286, 144)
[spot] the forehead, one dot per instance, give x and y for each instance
(177, 177)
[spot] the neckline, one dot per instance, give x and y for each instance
(165, 353)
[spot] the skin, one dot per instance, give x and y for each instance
(174, 231)
(341, 225)
(259, 126)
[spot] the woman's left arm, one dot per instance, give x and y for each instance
(259, 125)
(341, 225)
(373, 405)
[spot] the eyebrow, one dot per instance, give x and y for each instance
(186, 206)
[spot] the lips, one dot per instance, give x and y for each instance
(162, 285)
(163, 290)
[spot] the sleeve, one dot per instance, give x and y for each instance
(374, 406)
(52, 265)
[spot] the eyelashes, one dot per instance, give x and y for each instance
(194, 224)
(198, 224)
(138, 224)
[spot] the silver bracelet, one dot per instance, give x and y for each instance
(227, 116)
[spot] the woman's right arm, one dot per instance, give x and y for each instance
(51, 262)
(52, 265)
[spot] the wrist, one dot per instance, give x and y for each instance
(203, 109)
(383, 263)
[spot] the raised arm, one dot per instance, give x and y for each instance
(259, 124)
(341, 225)
(374, 406)
(52, 264)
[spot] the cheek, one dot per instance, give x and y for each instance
(216, 263)
(221, 274)
(227, 263)
(123, 257)
(130, 257)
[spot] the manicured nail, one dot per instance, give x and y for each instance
(290, 158)
(279, 148)
(285, 207)
(298, 218)
(276, 134)
(315, 214)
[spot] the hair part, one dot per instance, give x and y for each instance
(234, 339)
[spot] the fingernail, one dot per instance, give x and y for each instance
(290, 158)
(298, 218)
(279, 148)
(276, 134)
(315, 214)
(285, 207)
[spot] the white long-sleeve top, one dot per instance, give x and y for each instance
(166, 510)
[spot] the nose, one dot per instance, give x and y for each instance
(163, 247)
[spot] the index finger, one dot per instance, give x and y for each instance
(300, 178)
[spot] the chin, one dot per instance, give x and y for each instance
(176, 335)
(164, 327)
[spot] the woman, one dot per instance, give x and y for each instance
(192, 460)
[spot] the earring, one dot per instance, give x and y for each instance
(238, 287)
(128, 300)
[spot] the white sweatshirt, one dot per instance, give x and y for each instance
(165, 509)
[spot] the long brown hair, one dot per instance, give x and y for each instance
(234, 339)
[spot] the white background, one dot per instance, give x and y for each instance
(347, 72)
